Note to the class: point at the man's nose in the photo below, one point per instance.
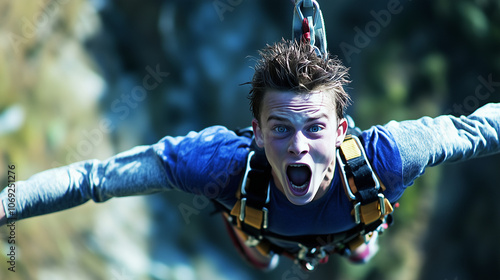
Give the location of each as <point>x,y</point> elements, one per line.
<point>298,144</point>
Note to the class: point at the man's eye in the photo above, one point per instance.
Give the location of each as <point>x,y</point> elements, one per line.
<point>280,129</point>
<point>315,128</point>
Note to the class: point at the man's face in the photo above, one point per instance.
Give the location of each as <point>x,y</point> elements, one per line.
<point>300,133</point>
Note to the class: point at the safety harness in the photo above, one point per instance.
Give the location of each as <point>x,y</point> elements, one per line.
<point>371,210</point>
<point>248,218</point>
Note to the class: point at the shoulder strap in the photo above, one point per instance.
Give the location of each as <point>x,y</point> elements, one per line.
<point>253,196</point>
<point>361,184</point>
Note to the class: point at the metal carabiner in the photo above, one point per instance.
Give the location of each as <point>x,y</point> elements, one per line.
<point>310,9</point>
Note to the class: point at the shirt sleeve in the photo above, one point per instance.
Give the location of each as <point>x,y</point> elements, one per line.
<point>185,163</point>
<point>385,159</point>
<point>400,151</point>
<point>207,163</point>
<point>432,141</point>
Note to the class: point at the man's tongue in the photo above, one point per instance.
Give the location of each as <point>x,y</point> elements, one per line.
<point>299,176</point>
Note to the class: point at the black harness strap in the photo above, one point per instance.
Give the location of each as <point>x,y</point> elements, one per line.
<point>250,210</point>
<point>256,189</point>
<point>361,184</point>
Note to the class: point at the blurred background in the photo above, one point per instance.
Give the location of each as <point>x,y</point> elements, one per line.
<point>82,79</point>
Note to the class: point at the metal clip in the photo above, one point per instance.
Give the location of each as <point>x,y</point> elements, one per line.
<point>252,241</point>
<point>242,208</point>
<point>243,185</point>
<point>344,175</point>
<point>247,170</point>
<point>310,9</point>
<point>381,201</point>
<point>357,212</point>
<point>265,221</point>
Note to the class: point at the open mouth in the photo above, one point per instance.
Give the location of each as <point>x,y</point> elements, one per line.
<point>299,176</point>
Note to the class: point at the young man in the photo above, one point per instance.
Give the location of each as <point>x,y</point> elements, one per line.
<point>298,102</point>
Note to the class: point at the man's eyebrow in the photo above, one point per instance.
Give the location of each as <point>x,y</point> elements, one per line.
<point>281,119</point>
<point>312,119</point>
<point>276,118</point>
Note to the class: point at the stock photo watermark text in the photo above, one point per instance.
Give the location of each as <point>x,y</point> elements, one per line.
<point>11,212</point>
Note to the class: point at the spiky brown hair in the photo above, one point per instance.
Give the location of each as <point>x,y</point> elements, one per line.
<point>294,66</point>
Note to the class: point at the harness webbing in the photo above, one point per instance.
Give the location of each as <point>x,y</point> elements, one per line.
<point>249,215</point>
<point>253,195</point>
<point>361,185</point>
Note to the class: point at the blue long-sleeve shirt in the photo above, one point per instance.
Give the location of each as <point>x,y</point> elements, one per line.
<point>210,163</point>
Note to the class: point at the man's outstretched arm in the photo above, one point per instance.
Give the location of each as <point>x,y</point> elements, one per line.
<point>432,141</point>
<point>203,162</point>
<point>137,171</point>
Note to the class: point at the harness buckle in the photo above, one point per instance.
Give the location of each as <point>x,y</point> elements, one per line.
<point>309,258</point>
<point>381,204</point>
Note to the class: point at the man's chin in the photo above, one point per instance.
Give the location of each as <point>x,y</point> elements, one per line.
<point>299,200</point>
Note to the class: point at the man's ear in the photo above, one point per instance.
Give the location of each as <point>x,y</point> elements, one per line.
<point>259,138</point>
<point>341,132</point>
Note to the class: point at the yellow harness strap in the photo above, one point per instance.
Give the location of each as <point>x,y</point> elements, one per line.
<point>253,217</point>
<point>365,213</point>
